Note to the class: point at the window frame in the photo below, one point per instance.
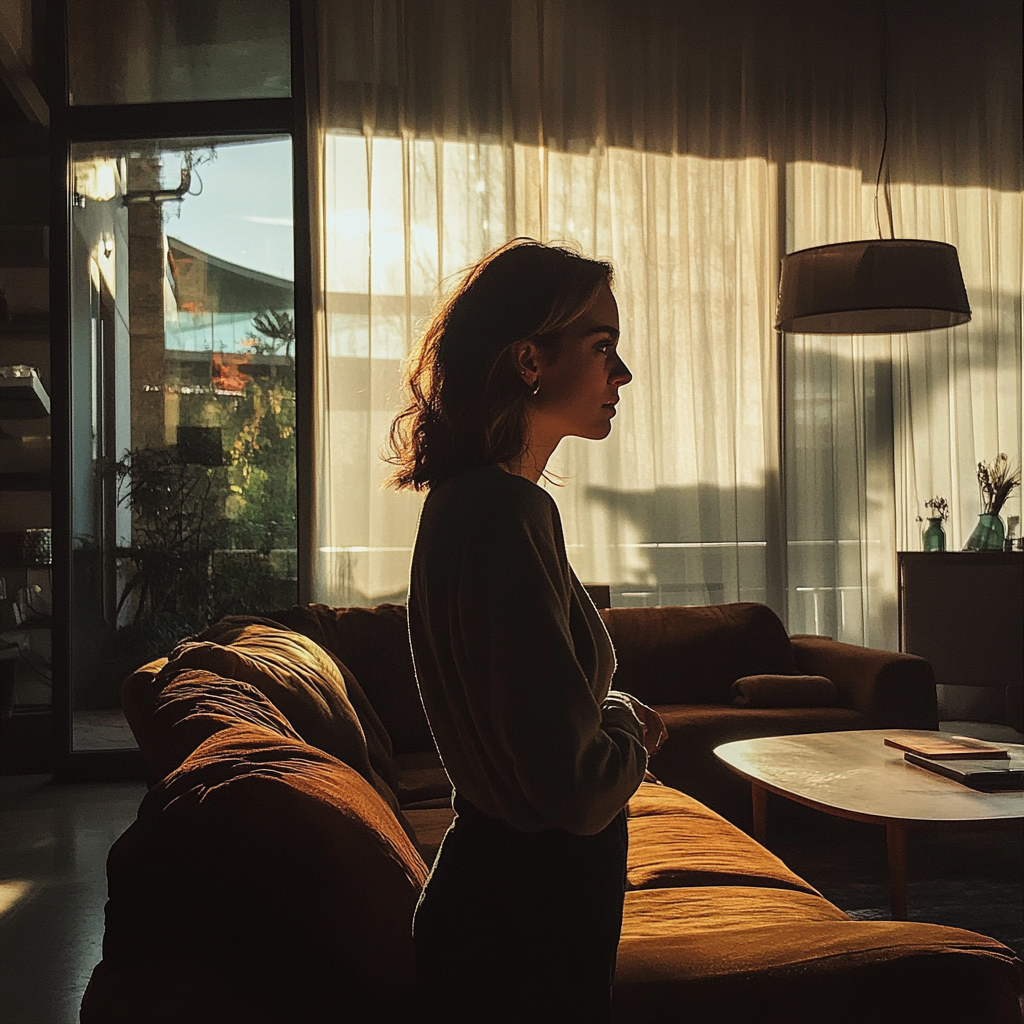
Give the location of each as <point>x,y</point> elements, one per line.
<point>71,124</point>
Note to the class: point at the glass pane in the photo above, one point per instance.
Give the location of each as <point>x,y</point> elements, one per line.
<point>183,402</point>
<point>165,51</point>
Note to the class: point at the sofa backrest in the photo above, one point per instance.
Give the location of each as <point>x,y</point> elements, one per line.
<point>374,644</point>
<point>693,654</point>
<point>670,655</point>
<point>265,866</point>
<point>294,673</point>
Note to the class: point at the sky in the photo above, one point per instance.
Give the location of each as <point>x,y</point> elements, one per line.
<point>244,211</point>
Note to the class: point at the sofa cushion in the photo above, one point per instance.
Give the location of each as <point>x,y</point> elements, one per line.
<point>728,953</point>
<point>687,759</point>
<point>193,704</point>
<point>768,691</point>
<point>378,742</point>
<point>374,644</point>
<point>676,841</point>
<point>265,865</point>
<point>693,655</point>
<point>292,672</point>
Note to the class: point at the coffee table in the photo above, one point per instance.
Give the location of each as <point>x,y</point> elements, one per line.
<point>854,775</point>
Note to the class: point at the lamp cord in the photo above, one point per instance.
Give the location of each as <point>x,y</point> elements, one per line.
<point>885,129</point>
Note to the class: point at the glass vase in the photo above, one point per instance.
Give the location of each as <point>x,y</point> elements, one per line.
<point>988,534</point>
<point>934,536</point>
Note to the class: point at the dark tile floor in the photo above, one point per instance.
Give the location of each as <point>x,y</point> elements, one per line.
<point>53,847</point>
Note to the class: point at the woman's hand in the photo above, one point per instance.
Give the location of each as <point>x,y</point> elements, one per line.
<point>655,732</point>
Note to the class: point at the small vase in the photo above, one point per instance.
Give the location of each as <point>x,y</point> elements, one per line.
<point>934,536</point>
<point>988,534</point>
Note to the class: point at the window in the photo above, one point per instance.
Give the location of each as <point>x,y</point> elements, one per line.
<point>183,398</point>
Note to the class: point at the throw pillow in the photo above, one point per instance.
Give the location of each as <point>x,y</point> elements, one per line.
<point>374,644</point>
<point>774,691</point>
<point>378,742</point>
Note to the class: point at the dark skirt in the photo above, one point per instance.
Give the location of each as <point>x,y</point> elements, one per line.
<point>521,926</point>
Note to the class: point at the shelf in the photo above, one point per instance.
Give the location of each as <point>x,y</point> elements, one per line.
<point>23,398</point>
<point>936,558</point>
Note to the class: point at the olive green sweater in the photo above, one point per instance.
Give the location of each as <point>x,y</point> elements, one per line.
<point>513,662</point>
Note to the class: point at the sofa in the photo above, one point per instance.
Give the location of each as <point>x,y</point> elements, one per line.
<point>297,801</point>
<point>685,660</point>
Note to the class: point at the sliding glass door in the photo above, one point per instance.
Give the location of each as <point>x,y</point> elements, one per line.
<point>183,402</point>
<point>179,419</point>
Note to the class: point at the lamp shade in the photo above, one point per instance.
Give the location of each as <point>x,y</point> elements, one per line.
<point>882,286</point>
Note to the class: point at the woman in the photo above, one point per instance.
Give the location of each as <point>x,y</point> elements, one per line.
<point>520,917</point>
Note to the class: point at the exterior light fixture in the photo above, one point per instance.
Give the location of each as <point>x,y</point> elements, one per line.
<point>98,179</point>
<point>877,286</point>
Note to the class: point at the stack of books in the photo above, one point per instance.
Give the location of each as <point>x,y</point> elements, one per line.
<point>983,766</point>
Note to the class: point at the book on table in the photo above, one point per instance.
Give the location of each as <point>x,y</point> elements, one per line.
<point>952,748</point>
<point>985,775</point>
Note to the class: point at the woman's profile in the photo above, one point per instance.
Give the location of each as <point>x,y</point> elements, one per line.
<point>520,917</point>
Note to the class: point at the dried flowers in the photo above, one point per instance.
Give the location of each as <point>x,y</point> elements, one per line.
<point>938,509</point>
<point>996,480</point>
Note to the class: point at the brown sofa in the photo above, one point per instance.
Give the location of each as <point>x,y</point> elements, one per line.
<point>684,660</point>
<point>273,869</point>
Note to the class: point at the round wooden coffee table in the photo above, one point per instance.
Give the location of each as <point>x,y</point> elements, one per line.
<point>854,775</point>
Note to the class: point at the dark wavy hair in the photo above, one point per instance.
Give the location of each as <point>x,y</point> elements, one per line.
<point>467,403</point>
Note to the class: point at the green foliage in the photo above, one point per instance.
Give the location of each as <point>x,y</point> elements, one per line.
<point>278,328</point>
<point>262,477</point>
<point>208,541</point>
<point>176,525</point>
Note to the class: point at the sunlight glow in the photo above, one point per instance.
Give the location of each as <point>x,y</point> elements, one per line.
<point>12,892</point>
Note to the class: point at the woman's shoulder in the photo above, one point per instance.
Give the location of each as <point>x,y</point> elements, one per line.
<point>488,516</point>
<point>488,494</point>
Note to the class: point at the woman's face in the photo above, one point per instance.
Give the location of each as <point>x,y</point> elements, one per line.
<point>580,379</point>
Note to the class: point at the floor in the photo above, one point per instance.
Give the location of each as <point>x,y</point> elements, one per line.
<point>53,847</point>
<point>54,841</point>
<point>102,730</point>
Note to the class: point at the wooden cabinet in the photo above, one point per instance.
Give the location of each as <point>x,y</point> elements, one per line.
<point>964,612</point>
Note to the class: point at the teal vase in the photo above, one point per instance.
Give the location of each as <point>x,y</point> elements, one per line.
<point>934,536</point>
<point>988,534</point>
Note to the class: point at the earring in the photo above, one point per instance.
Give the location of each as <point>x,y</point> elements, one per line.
<point>534,388</point>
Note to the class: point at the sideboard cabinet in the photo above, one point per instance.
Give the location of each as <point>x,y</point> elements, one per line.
<point>964,612</point>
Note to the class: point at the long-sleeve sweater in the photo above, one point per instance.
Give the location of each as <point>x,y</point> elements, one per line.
<point>513,662</point>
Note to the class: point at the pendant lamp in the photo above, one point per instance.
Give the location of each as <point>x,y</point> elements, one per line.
<point>878,286</point>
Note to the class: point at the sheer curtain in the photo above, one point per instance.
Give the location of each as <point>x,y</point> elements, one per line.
<point>958,398</point>
<point>877,425</point>
<point>841,496</point>
<point>688,146</point>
